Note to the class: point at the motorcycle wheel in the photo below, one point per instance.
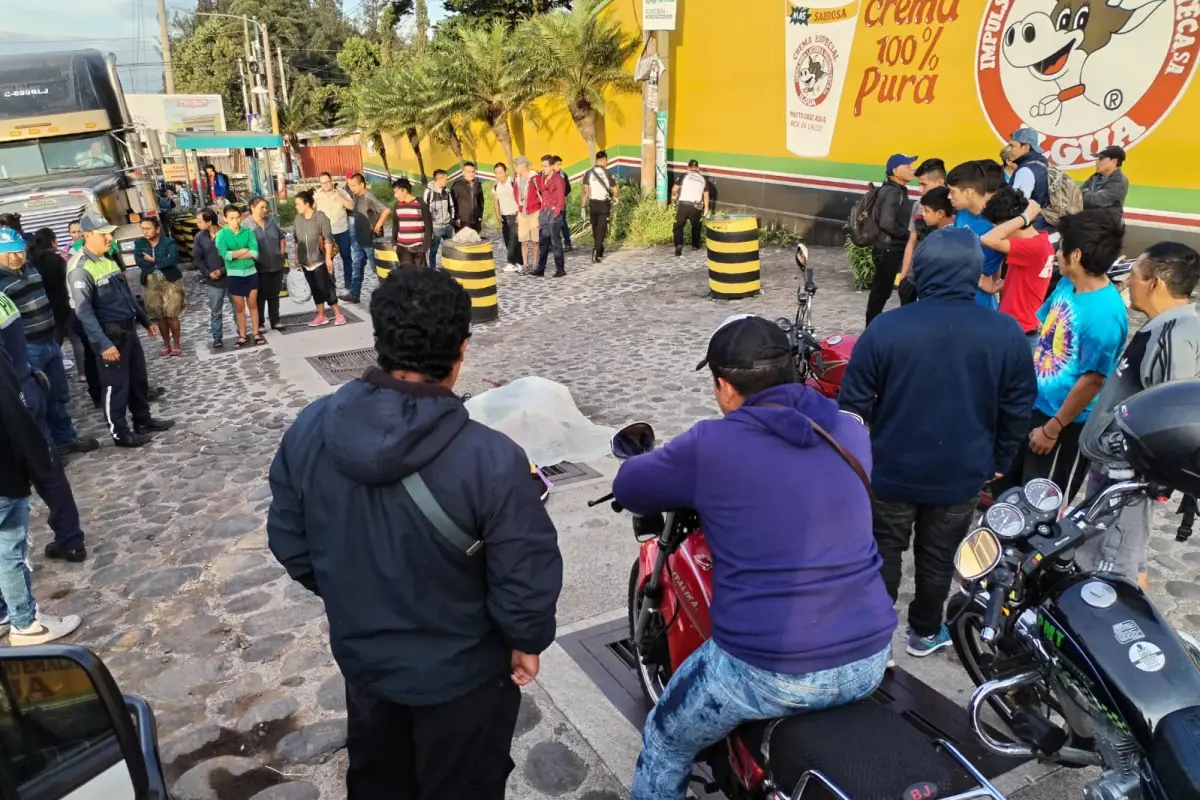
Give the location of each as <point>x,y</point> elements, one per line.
<point>654,677</point>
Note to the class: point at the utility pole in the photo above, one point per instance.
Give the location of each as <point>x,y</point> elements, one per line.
<point>649,107</point>
<point>253,108</point>
<point>279,173</point>
<point>245,93</point>
<point>663,46</point>
<point>282,75</point>
<point>164,34</point>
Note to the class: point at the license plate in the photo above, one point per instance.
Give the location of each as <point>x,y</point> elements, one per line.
<point>48,203</point>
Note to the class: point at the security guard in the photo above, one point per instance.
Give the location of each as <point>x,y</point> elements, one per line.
<point>107,310</point>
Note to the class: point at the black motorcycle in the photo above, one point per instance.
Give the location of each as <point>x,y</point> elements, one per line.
<point>1082,667</point>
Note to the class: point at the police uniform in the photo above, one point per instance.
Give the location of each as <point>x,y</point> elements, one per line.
<point>689,208</point>
<point>109,314</point>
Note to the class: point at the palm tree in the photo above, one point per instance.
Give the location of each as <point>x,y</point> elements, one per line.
<point>482,75</point>
<point>392,100</point>
<point>358,112</point>
<point>580,55</point>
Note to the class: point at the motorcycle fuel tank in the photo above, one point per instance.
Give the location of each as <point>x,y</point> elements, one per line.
<point>1116,646</point>
<point>828,365</point>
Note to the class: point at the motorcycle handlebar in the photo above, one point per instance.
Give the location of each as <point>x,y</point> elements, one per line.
<point>998,590</point>
<point>810,284</point>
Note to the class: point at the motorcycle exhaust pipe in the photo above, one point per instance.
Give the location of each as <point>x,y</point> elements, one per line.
<point>975,707</point>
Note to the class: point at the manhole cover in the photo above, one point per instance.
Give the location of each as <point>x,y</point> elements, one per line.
<point>345,366</point>
<point>565,472</point>
<point>298,322</point>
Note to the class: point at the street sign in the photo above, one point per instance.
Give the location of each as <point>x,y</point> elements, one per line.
<point>659,15</point>
<point>660,157</point>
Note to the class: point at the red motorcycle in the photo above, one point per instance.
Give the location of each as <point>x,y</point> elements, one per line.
<point>821,364</point>
<point>862,751</point>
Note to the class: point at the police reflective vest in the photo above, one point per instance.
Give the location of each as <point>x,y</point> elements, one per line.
<point>102,297</point>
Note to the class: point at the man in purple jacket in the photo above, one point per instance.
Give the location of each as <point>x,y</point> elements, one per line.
<point>801,620</point>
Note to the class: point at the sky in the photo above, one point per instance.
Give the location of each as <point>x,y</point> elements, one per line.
<point>127,28</point>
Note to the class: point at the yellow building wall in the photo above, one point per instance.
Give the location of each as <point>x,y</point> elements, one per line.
<point>754,85</point>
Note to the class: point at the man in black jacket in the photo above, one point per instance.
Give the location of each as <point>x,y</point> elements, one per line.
<point>467,192</point>
<point>438,565</point>
<point>891,214</point>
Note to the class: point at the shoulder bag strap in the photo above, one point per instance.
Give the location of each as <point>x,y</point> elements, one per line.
<point>428,505</point>
<point>848,457</point>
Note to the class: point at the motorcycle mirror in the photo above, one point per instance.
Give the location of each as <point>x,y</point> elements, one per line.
<point>978,554</point>
<point>633,440</point>
<point>784,324</point>
<point>801,256</point>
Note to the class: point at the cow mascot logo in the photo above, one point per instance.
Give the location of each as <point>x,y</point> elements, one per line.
<point>1085,74</point>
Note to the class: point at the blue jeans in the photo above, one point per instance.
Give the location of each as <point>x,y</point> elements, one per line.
<point>364,259</point>
<point>712,693</point>
<point>345,249</point>
<point>217,297</point>
<point>444,232</point>
<point>16,591</point>
<point>47,357</point>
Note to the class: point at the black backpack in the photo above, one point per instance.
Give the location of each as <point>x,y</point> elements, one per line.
<point>863,225</point>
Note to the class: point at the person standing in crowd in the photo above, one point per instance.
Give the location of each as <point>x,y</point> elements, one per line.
<point>53,486</point>
<point>24,286</point>
<point>1107,187</point>
<point>13,222</point>
<point>368,214</point>
<point>412,231</point>
<point>600,193</point>
<point>934,451</point>
<point>891,215</point>
<point>1007,163</point>
<point>969,193</point>
<point>930,173</point>
<point>108,312</point>
<point>690,194</point>
<point>330,201</point>
<point>504,200</point>
<point>238,248</point>
<point>218,186</point>
<point>210,267</point>
<point>468,199</point>
<point>440,202</point>
<point>529,207</point>
<point>25,459</point>
<point>937,212</point>
<point>556,164</point>
<point>85,367</point>
<point>1167,348</point>
<point>462,582</point>
<point>1028,252</point>
<point>1032,176</point>
<point>75,235</point>
<point>270,264</point>
<point>314,254</point>
<point>46,257</point>
<point>157,256</point>
<point>549,189</point>
<point>1084,327</point>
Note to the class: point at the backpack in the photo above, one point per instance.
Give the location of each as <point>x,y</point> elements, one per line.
<point>863,225</point>
<point>1065,196</point>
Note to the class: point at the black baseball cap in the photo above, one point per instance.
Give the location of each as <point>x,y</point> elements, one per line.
<point>1113,151</point>
<point>745,341</point>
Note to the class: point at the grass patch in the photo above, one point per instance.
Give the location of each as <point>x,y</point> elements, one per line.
<point>862,264</point>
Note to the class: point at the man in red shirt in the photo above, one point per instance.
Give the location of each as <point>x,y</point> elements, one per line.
<point>1029,253</point>
<point>554,201</point>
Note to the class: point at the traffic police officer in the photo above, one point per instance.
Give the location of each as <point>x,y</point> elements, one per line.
<point>107,310</point>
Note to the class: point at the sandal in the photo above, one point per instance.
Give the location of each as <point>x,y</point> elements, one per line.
<point>241,342</point>
<point>166,351</point>
<point>177,351</point>
<point>258,339</point>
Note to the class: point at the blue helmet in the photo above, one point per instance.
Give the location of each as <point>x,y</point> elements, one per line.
<point>11,241</point>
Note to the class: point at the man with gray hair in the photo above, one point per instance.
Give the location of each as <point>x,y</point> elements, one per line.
<point>1167,348</point>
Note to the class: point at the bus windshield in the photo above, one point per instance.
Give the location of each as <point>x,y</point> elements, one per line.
<point>51,156</point>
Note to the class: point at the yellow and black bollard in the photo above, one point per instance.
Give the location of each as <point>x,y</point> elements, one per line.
<point>182,228</point>
<point>733,268</point>
<point>385,258</point>
<point>473,266</point>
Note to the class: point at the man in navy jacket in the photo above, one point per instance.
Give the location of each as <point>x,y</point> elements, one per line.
<point>433,634</point>
<point>947,387</point>
<point>800,617</point>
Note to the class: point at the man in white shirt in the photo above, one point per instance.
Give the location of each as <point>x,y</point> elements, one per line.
<point>504,197</point>
<point>329,201</point>
<point>691,194</point>
<point>600,192</point>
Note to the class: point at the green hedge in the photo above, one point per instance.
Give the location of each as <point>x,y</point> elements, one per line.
<point>862,264</point>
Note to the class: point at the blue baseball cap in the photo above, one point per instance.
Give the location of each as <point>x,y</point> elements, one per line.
<point>1028,137</point>
<point>11,241</point>
<point>899,160</point>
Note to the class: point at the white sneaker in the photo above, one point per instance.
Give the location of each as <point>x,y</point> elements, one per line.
<point>45,628</point>
<point>510,267</point>
<point>4,626</point>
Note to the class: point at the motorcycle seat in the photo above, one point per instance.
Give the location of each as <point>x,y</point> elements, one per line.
<point>1175,755</point>
<point>869,751</point>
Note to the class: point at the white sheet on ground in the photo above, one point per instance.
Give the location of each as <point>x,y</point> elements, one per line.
<point>541,416</point>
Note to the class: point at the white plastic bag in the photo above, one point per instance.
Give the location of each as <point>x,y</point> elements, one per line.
<point>297,285</point>
<point>540,415</point>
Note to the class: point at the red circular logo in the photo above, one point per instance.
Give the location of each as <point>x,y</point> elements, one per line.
<point>1084,74</point>
<point>814,70</point>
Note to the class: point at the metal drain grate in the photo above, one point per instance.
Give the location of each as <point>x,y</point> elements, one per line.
<point>345,366</point>
<point>298,322</point>
<point>566,472</point>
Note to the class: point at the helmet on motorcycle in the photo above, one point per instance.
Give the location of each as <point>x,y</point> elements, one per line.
<point>1161,426</point>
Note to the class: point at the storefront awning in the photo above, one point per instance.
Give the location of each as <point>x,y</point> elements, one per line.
<point>231,140</point>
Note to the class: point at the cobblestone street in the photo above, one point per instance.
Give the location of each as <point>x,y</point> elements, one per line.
<point>188,608</point>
